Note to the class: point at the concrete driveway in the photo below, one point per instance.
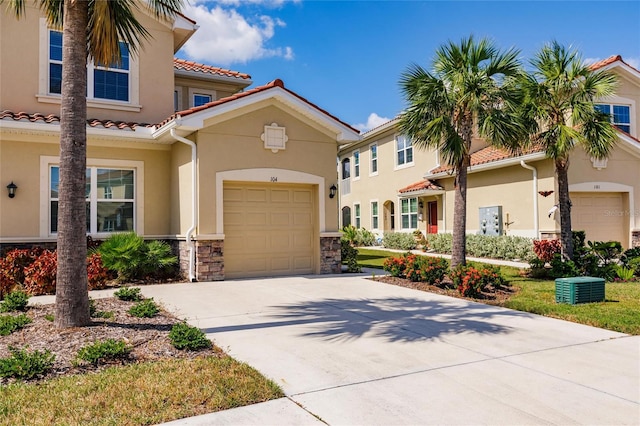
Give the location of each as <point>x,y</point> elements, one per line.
<point>350,351</point>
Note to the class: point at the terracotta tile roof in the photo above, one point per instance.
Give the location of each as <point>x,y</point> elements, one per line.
<point>489,155</point>
<point>244,94</point>
<point>423,185</point>
<point>54,119</point>
<point>610,60</point>
<point>184,65</point>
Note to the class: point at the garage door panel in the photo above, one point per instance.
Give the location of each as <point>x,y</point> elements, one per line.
<point>592,213</point>
<point>269,229</point>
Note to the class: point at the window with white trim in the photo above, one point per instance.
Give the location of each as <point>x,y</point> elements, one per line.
<point>620,115</point>
<point>404,150</point>
<point>103,82</point>
<point>409,213</point>
<point>374,215</point>
<point>110,199</point>
<point>356,164</point>
<point>373,150</point>
<point>200,99</point>
<point>356,215</point>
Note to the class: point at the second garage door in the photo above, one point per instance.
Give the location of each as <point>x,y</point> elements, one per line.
<point>600,215</point>
<point>269,229</point>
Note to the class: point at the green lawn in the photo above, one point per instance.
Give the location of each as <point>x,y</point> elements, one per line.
<point>619,312</point>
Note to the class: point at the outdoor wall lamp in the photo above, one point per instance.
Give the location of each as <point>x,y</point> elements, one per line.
<point>332,190</point>
<point>11,188</point>
<point>420,204</point>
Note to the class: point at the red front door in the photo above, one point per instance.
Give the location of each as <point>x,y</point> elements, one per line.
<point>432,227</point>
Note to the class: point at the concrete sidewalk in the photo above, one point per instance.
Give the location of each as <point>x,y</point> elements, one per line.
<point>347,350</point>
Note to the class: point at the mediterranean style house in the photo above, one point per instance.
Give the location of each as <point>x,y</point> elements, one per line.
<point>240,180</point>
<point>386,184</point>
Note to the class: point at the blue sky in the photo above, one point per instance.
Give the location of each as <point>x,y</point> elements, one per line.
<point>347,56</point>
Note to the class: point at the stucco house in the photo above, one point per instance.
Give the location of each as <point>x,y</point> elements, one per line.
<point>389,185</point>
<point>238,179</point>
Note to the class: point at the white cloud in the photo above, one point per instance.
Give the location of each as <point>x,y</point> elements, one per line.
<point>267,3</point>
<point>374,120</point>
<point>226,37</point>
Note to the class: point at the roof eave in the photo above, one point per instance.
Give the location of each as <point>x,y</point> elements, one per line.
<point>421,193</point>
<point>507,162</point>
<point>238,81</point>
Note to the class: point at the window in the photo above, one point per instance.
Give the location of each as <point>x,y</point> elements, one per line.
<point>356,215</point>
<point>200,99</point>
<point>374,159</point>
<point>110,199</point>
<point>409,213</point>
<point>356,164</point>
<point>103,82</point>
<point>346,216</point>
<point>404,151</point>
<point>346,168</point>
<point>620,115</point>
<point>374,215</point>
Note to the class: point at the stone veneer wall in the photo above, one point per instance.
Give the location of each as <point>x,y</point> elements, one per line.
<point>209,260</point>
<point>330,256</point>
<point>635,239</point>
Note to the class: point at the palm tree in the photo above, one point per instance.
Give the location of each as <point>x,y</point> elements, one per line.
<point>472,88</point>
<point>90,28</point>
<point>560,112</point>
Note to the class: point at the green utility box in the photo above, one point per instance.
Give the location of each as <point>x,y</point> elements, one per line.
<point>575,290</point>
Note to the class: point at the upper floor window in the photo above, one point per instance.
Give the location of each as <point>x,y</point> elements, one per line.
<point>346,168</point>
<point>109,82</point>
<point>404,150</point>
<point>374,158</point>
<point>620,115</point>
<point>356,164</point>
<point>201,99</point>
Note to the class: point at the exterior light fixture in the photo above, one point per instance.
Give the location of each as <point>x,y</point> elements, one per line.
<point>332,190</point>
<point>420,204</point>
<point>11,188</point>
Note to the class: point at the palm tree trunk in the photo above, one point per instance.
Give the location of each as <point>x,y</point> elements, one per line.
<point>72,299</point>
<point>562,168</point>
<point>458,248</point>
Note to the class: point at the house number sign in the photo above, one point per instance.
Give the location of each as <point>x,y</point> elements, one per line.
<point>274,178</point>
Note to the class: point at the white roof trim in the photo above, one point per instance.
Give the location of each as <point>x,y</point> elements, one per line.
<point>140,132</point>
<point>195,121</point>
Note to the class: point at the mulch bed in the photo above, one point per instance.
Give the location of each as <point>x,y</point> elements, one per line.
<point>492,296</point>
<point>149,337</point>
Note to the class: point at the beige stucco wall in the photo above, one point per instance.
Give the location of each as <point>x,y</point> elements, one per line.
<point>20,68</point>
<point>20,163</point>
<point>235,144</point>
<point>628,93</point>
<point>385,184</point>
<point>181,191</point>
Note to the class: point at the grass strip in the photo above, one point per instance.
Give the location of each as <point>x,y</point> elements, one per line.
<point>140,394</point>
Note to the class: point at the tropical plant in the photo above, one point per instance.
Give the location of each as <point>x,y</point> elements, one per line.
<point>17,300</point>
<point>560,114</point>
<point>472,87</point>
<point>399,241</point>
<point>91,29</point>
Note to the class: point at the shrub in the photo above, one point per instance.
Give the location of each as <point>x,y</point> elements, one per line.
<point>40,276</point>
<point>562,269</point>
<point>17,300</point>
<point>629,255</point>
<point>97,274</point>
<point>183,336</point>
<point>471,281</point>
<point>358,237</point>
<point>144,309</point>
<point>495,247</point>
<point>25,365</point>
<point>624,273</point>
<point>12,267</point>
<point>440,243</point>
<point>132,258</point>
<point>398,241</point>
<point>395,266</point>
<point>417,267</point>
<point>545,250</point>
<point>104,351</point>
<point>349,255</point>
<point>129,294</point>
<point>9,323</point>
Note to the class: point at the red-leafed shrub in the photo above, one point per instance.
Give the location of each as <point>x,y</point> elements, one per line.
<point>546,249</point>
<point>97,274</point>
<point>417,268</point>
<point>471,281</point>
<point>12,267</point>
<point>40,276</point>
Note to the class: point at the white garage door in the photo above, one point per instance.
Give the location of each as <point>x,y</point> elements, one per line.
<point>600,215</point>
<point>269,229</point>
